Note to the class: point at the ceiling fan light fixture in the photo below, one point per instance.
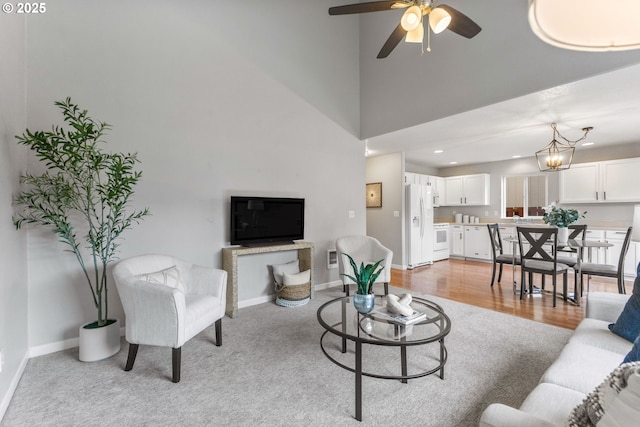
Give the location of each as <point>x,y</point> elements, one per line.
<point>439,20</point>
<point>415,36</point>
<point>411,18</point>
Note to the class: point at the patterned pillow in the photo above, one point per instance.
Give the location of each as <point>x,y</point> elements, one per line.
<point>615,402</point>
<point>628,323</point>
<point>167,277</point>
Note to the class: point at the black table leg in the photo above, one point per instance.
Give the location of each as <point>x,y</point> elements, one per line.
<point>403,356</point>
<point>442,358</point>
<point>344,325</point>
<point>358,381</point>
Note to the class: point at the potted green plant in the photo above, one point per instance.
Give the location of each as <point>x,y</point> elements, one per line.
<point>364,278</point>
<point>85,190</point>
<point>561,218</point>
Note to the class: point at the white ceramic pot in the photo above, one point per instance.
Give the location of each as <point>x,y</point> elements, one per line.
<point>99,343</point>
<point>563,234</point>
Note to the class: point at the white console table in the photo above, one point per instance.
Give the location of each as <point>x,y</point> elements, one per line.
<point>230,264</point>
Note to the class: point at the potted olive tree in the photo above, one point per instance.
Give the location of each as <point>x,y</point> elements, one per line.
<point>83,190</point>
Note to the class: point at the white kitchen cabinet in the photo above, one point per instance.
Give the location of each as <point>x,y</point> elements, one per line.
<point>505,233</point>
<point>439,190</point>
<point>411,178</point>
<point>436,183</point>
<point>612,254</point>
<point>477,242</point>
<point>596,255</point>
<point>467,190</point>
<point>601,182</point>
<point>457,240</point>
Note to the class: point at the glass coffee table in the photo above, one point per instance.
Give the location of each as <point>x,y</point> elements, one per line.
<point>338,317</point>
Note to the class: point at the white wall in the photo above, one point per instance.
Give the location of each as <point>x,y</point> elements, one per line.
<point>382,222</point>
<point>13,253</point>
<point>208,118</point>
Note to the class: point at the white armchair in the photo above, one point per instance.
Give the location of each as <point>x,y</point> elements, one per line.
<point>363,249</point>
<point>167,302</point>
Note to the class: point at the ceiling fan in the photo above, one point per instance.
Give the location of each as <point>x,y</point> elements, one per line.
<point>411,27</point>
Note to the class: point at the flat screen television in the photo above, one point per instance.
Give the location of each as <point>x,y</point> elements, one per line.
<point>256,220</point>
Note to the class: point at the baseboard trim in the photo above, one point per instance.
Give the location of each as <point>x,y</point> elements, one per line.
<point>4,404</point>
<point>272,297</point>
<point>53,347</point>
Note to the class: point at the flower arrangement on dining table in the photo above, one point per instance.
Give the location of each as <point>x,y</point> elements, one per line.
<point>560,217</point>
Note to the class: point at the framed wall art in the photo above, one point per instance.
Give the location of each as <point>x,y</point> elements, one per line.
<point>374,195</point>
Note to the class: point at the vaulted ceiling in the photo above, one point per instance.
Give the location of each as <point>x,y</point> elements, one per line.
<point>491,97</point>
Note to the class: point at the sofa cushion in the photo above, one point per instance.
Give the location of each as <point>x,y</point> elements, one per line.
<point>581,367</point>
<point>596,333</point>
<point>634,354</point>
<point>551,402</point>
<point>615,402</point>
<point>628,323</point>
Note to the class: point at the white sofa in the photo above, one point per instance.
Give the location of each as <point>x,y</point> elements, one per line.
<point>591,354</point>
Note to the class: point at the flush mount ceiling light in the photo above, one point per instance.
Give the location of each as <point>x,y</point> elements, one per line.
<point>587,25</point>
<point>411,24</point>
<point>558,155</point>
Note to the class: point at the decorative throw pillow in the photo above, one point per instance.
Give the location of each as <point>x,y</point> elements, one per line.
<point>301,278</point>
<point>615,402</point>
<point>167,277</point>
<point>634,354</point>
<point>628,323</point>
<point>289,268</point>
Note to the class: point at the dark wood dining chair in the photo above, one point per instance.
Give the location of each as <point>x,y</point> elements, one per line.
<point>534,258</point>
<point>497,255</point>
<point>576,232</point>
<point>606,270</point>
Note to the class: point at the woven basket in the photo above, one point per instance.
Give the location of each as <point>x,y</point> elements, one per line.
<point>295,292</point>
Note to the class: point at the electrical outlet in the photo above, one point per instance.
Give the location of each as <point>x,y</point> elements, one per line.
<point>396,214</point>
<point>352,214</point>
<point>486,213</point>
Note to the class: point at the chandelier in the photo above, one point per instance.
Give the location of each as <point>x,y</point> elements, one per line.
<point>558,155</point>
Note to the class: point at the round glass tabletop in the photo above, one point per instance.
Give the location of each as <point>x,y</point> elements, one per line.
<point>339,317</point>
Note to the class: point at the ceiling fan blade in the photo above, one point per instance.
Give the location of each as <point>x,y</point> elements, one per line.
<point>392,41</point>
<point>374,6</point>
<point>460,23</point>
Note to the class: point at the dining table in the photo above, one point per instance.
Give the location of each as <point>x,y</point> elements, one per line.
<point>578,245</point>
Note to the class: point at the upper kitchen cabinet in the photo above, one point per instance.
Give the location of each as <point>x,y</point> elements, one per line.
<point>601,182</point>
<point>466,190</point>
<point>436,183</point>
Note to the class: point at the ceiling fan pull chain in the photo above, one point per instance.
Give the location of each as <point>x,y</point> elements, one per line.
<point>428,36</point>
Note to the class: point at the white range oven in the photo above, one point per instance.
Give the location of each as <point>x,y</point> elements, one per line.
<point>440,241</point>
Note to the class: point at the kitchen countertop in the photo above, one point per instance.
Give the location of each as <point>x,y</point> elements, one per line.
<point>591,225</point>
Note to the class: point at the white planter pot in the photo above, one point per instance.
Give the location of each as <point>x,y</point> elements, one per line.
<point>99,343</point>
<point>563,234</point>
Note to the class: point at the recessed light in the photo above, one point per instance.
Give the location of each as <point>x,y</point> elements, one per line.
<point>517,156</point>
<point>453,163</point>
<point>587,143</point>
<point>438,151</point>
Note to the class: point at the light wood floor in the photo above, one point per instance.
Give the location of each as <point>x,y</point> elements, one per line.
<point>469,282</point>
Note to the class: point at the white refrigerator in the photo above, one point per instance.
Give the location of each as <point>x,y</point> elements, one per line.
<point>419,228</point>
